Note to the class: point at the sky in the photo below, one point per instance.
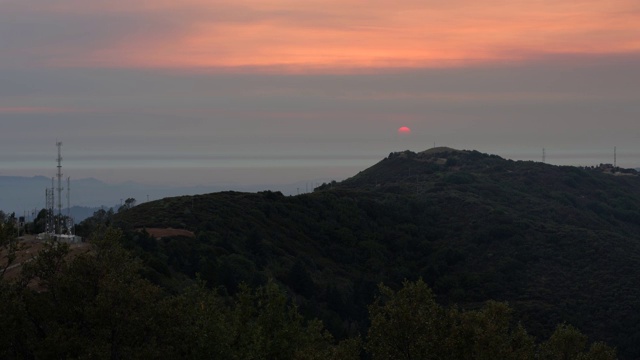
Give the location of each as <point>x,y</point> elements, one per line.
<point>274,91</point>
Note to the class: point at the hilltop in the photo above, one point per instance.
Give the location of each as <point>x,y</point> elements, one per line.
<point>559,243</point>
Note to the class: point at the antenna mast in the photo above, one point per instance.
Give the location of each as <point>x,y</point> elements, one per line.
<point>615,157</point>
<point>59,222</point>
<point>544,155</point>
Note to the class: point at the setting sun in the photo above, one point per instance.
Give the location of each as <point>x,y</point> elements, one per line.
<point>404,130</point>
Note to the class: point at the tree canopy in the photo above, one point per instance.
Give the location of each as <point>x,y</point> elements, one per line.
<point>96,304</point>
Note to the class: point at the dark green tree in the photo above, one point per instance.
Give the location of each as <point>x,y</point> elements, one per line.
<point>568,343</point>
<point>407,324</point>
<point>93,305</point>
<point>10,245</point>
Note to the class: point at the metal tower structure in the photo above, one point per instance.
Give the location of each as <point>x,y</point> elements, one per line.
<point>59,222</point>
<point>615,157</point>
<point>544,155</point>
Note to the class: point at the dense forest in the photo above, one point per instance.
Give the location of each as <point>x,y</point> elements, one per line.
<point>454,236</point>
<point>97,305</point>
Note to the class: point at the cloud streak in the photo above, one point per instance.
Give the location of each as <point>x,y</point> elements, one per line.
<point>311,35</point>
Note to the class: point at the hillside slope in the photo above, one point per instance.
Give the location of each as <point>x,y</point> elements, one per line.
<point>560,244</point>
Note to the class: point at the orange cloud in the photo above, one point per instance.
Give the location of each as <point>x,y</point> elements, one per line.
<point>352,34</point>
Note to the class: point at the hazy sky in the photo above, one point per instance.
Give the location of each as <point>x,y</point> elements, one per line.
<point>248,91</point>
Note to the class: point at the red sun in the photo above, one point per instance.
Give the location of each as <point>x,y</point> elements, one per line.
<point>404,130</point>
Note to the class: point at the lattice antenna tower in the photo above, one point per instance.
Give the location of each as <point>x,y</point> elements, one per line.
<point>615,157</point>
<point>544,155</point>
<point>59,145</point>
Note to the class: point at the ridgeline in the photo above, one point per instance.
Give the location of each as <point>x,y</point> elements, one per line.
<point>560,244</point>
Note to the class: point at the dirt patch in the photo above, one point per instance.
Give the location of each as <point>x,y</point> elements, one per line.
<point>30,246</point>
<point>159,233</point>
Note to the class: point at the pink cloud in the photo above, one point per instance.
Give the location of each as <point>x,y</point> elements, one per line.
<point>318,35</point>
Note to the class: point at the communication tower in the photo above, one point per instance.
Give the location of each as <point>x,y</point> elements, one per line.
<point>58,226</point>
<point>544,155</point>
<point>59,222</point>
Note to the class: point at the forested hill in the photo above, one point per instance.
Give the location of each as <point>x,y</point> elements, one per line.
<point>559,243</point>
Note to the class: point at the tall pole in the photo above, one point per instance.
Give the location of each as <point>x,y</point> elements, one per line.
<point>544,155</point>
<point>615,157</point>
<point>59,145</point>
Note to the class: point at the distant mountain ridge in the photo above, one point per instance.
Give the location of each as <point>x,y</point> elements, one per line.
<point>559,243</point>
<point>24,194</point>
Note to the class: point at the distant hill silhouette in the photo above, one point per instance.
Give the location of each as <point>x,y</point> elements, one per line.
<point>559,243</point>
<point>19,194</point>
